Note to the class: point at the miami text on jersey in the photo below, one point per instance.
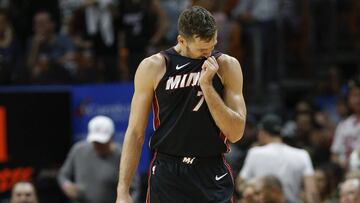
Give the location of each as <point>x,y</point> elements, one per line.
<point>183,80</point>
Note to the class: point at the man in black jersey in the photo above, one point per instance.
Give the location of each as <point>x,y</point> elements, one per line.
<point>198,104</point>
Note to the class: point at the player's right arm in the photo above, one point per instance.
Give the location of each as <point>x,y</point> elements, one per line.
<point>146,79</point>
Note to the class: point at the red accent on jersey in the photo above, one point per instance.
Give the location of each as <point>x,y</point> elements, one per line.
<point>149,176</point>
<point>228,167</point>
<point>230,171</point>
<point>156,120</point>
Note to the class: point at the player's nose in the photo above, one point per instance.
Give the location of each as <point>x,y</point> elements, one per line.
<point>206,54</point>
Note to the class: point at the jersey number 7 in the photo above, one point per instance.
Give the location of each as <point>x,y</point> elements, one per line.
<point>201,101</point>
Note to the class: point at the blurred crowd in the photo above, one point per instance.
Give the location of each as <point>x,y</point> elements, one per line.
<point>315,146</point>
<point>97,41</point>
<point>92,41</point>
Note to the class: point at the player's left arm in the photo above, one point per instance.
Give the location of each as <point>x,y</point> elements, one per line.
<point>228,112</point>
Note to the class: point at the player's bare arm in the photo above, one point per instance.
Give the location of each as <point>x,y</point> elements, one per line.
<point>146,78</point>
<point>229,113</point>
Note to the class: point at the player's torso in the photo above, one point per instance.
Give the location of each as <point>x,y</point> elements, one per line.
<point>182,121</point>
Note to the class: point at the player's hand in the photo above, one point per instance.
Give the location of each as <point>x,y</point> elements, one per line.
<point>124,198</point>
<point>209,69</point>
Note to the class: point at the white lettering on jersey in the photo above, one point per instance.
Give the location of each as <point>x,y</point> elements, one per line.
<point>181,81</point>
<point>173,83</point>
<point>194,77</point>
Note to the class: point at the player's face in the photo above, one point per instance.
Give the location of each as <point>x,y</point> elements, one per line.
<point>198,48</point>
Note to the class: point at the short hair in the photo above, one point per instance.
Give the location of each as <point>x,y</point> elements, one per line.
<point>197,22</point>
<point>272,124</point>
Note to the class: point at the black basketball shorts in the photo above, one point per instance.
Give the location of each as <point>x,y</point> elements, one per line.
<point>189,180</point>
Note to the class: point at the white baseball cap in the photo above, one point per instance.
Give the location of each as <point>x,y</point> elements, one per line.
<point>101,129</point>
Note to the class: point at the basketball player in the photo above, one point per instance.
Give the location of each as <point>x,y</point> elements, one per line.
<point>198,104</point>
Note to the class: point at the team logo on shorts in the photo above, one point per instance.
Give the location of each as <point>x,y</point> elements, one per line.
<point>188,160</point>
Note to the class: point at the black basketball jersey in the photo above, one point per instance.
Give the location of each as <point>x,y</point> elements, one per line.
<point>182,121</point>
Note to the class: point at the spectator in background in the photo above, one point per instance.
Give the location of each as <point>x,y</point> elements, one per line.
<point>49,55</point>
<point>324,184</point>
<point>247,192</point>
<point>350,191</point>
<point>143,25</point>
<point>342,109</point>
<point>90,170</point>
<point>269,190</point>
<point>290,165</point>
<point>328,92</point>
<point>305,125</point>
<point>22,13</point>
<point>92,25</point>
<point>347,134</point>
<point>100,17</point>
<point>11,65</point>
<point>261,22</point>
<point>85,58</point>
<point>23,192</point>
<point>289,131</point>
<point>172,10</point>
<point>354,163</point>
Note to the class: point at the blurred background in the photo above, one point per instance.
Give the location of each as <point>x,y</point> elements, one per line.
<point>63,62</point>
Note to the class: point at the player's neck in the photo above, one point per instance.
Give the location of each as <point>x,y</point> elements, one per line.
<point>181,51</point>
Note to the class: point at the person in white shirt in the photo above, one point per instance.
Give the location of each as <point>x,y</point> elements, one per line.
<point>290,165</point>
<point>347,134</point>
<point>354,163</point>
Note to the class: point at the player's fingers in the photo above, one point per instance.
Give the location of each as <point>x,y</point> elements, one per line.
<point>212,60</point>
<point>205,65</point>
<point>212,65</point>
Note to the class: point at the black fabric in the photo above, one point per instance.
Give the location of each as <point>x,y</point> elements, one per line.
<point>183,123</point>
<point>206,180</point>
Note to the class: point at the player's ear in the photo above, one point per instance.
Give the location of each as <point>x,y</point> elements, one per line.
<point>181,40</point>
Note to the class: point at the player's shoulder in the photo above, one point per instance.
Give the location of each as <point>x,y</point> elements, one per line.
<point>153,61</point>
<point>152,64</point>
<point>151,68</point>
<point>225,59</point>
<point>229,66</point>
